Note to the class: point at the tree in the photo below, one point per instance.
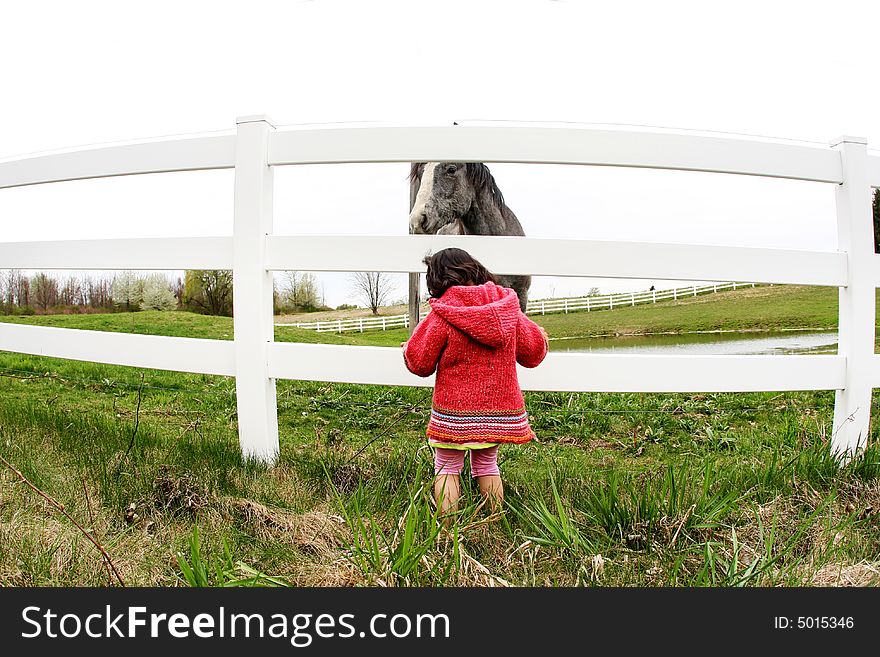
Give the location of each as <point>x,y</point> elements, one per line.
<point>128,290</point>
<point>372,288</point>
<point>877,220</point>
<point>100,292</point>
<point>290,284</point>
<point>68,291</point>
<point>82,298</point>
<point>45,291</point>
<point>178,290</point>
<point>158,294</point>
<point>17,288</point>
<point>299,289</point>
<point>308,292</point>
<point>208,291</point>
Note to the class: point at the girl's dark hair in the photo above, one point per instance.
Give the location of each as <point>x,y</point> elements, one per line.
<point>454,267</point>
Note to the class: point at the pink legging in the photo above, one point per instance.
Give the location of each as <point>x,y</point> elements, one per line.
<point>484,462</point>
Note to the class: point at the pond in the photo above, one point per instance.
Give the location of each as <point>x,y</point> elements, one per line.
<point>728,343</point>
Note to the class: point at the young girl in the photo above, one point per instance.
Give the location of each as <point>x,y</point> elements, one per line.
<point>473,337</point>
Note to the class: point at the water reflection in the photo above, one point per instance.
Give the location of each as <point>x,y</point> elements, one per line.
<point>733,344</point>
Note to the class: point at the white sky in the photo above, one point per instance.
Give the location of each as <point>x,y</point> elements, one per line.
<point>91,72</point>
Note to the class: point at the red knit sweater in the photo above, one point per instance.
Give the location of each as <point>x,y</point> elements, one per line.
<point>474,337</point>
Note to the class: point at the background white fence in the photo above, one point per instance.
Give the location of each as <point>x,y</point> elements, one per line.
<point>612,301</point>
<point>537,307</point>
<point>253,252</point>
<point>359,324</point>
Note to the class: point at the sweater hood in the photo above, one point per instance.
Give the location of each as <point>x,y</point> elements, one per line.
<point>488,313</point>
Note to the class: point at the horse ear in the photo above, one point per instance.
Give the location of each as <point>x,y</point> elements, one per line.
<point>415,171</point>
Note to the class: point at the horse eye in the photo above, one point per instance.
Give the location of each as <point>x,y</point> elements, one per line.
<point>450,169</point>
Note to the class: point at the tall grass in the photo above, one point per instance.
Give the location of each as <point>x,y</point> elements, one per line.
<point>619,490</point>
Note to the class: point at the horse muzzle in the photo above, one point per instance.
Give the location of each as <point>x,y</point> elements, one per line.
<point>418,224</point>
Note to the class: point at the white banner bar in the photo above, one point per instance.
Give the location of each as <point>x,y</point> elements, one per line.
<point>157,352</point>
<point>573,372</point>
<point>558,257</point>
<point>553,145</point>
<point>142,253</point>
<point>185,154</point>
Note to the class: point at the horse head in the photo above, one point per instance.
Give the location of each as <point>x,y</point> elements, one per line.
<point>458,198</point>
<point>446,194</point>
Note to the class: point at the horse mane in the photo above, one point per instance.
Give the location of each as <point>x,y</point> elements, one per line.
<point>477,174</point>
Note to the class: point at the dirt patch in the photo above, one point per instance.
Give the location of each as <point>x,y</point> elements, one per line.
<point>347,476</point>
<point>178,492</point>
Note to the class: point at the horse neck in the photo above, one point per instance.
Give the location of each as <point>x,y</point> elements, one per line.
<point>485,218</point>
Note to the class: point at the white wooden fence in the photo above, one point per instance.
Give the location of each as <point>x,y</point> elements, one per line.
<point>612,301</point>
<point>359,324</point>
<point>253,253</point>
<point>537,307</point>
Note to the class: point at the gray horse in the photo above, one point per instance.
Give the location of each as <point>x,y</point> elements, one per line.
<point>457,198</point>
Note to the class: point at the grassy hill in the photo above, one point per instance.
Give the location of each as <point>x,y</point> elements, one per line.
<point>759,308</point>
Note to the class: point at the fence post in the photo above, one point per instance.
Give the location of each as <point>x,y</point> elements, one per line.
<point>542,307</point>
<point>695,290</point>
<point>675,294</point>
<point>855,237</point>
<point>633,294</point>
<point>654,295</point>
<point>252,291</point>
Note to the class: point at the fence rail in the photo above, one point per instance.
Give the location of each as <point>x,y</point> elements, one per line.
<point>560,257</point>
<point>253,252</point>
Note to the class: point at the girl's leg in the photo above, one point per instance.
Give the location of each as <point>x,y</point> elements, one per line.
<point>447,468</point>
<point>446,492</point>
<point>493,490</point>
<point>484,466</point>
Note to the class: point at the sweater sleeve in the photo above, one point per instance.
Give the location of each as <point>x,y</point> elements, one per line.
<point>531,345</point>
<point>425,345</point>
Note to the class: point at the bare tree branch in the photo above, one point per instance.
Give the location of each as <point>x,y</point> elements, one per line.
<point>372,288</point>
<point>108,562</point>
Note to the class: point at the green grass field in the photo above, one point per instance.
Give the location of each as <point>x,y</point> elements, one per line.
<point>630,489</point>
<point>749,309</point>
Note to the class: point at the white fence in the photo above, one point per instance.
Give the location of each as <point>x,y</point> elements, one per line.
<point>612,301</point>
<point>253,253</point>
<point>537,307</point>
<point>360,324</point>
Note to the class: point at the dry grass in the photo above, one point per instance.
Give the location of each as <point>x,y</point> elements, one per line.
<point>857,574</point>
<point>316,532</point>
